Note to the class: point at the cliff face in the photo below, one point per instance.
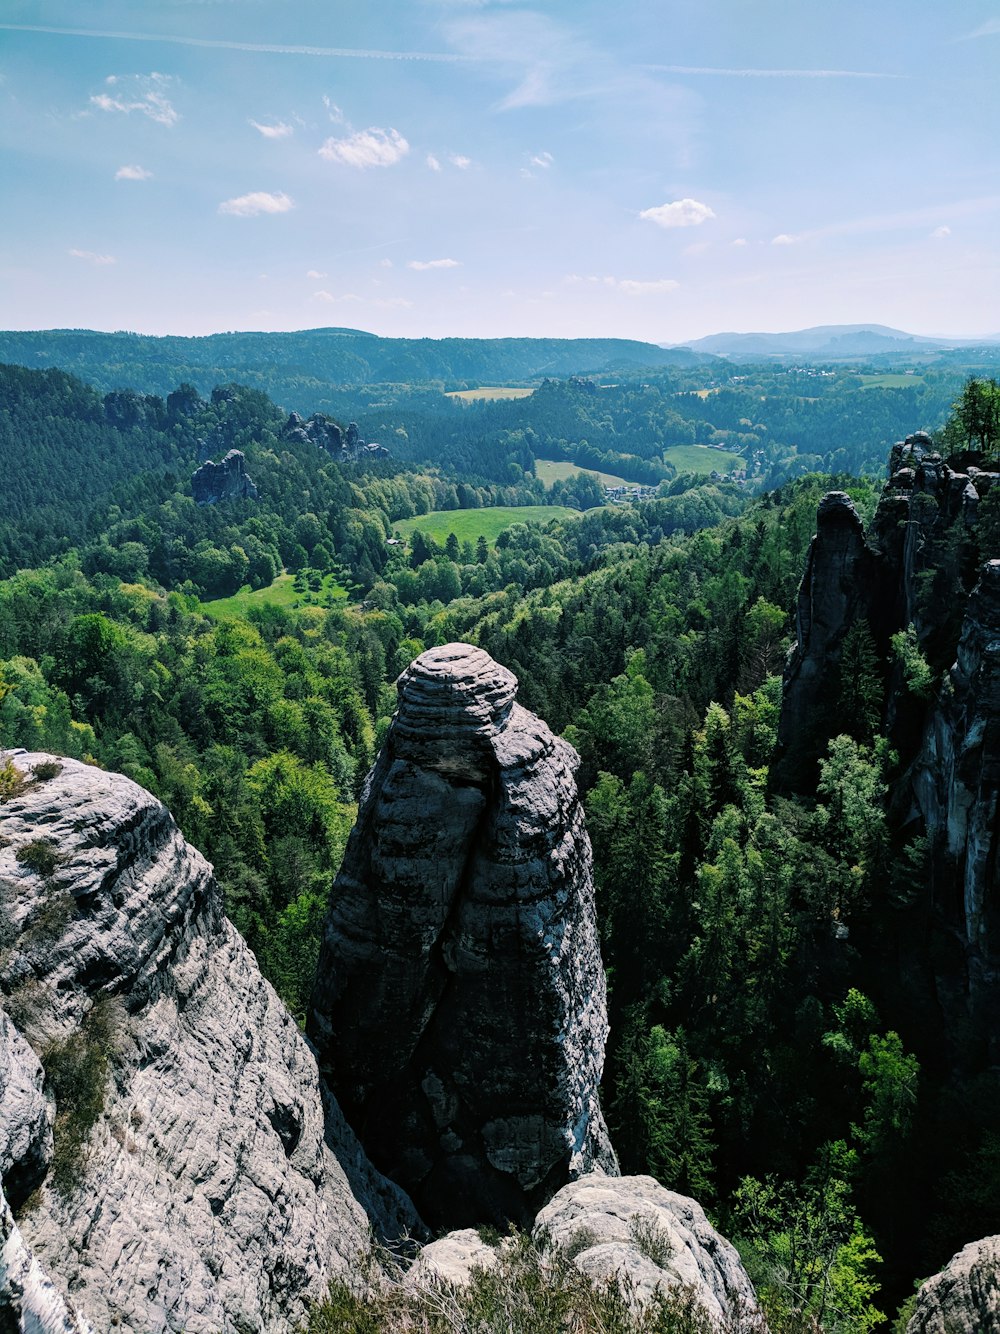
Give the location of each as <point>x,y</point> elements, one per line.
<point>459,1011</point>
<point>227,480</point>
<point>214,1190</point>
<point>964,1296</point>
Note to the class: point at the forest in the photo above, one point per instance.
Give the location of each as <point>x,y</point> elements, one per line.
<point>770,1052</point>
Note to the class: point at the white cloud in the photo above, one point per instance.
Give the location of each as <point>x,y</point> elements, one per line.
<point>542,160</point>
<point>99,261</point>
<point>460,161</point>
<point>315,273</point>
<point>385,263</point>
<point>939,233</point>
<point>367,148</point>
<point>330,298</point>
<point>433,162</point>
<point>144,93</point>
<point>679,213</point>
<point>259,201</point>
<point>740,240</point>
<point>279,131</point>
<point>422,264</point>
<point>632,288</point>
<point>783,238</point>
<point>333,111</point>
<point>133,173</point>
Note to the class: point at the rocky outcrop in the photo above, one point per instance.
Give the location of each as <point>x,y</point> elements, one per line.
<point>648,1237</point>
<point>325,434</point>
<point>965,1296</point>
<point>214,482</point>
<point>459,1011</point>
<point>214,1191</point>
<point>955,782</point>
<point>837,589</point>
<point>628,1229</point>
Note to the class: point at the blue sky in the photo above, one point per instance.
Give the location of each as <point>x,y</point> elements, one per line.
<point>657,169</point>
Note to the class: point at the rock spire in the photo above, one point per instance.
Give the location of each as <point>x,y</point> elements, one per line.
<point>459,1012</point>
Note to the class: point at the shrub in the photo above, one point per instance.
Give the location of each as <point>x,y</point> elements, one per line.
<point>39,856</point>
<point>12,780</point>
<point>76,1070</point>
<point>46,770</point>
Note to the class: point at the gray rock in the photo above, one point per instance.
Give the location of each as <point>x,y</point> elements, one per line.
<point>228,480</point>
<point>26,1120</point>
<point>649,1238</point>
<point>215,1190</point>
<point>459,1011</point>
<point>30,1303</point>
<point>965,1297</point>
<point>451,1260</point>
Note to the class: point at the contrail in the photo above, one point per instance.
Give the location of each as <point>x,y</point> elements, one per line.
<point>272,48</point>
<point>775,73</point>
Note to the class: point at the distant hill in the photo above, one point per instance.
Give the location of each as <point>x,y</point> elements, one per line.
<point>828,342</point>
<point>298,370</point>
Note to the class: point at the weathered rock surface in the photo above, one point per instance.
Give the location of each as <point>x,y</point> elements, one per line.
<point>326,434</point>
<point>965,1297</point>
<point>459,1012</point>
<point>30,1303</point>
<point>215,1191</point>
<point>836,590</point>
<point>227,480</point>
<point>650,1238</point>
<point>26,1120</point>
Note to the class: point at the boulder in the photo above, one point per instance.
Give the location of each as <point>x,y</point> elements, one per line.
<point>965,1296</point>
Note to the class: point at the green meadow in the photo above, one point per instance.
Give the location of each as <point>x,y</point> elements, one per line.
<point>557,470</point>
<point>701,459</point>
<point>468,525</point>
<point>282,593</point>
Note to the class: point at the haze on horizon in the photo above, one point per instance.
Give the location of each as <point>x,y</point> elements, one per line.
<point>485,168</point>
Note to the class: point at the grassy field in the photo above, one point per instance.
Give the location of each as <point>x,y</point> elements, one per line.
<point>489,392</point>
<point>282,593</point>
<point>467,525</point>
<point>890,380</point>
<point>557,470</point>
<point>701,459</point>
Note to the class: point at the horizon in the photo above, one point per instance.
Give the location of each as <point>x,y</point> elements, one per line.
<point>474,168</point>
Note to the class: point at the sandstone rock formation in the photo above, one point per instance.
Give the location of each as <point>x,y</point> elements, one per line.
<point>326,434</point>
<point>215,1191</point>
<point>459,1012</point>
<point>965,1296</point>
<point>228,480</point>
<point>630,1229</point>
<point>638,1231</point>
<point>836,590</point>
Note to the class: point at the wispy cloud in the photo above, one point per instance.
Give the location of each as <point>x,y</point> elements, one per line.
<point>630,286</point>
<point>133,172</point>
<point>679,213</point>
<point>315,273</point>
<point>940,233</point>
<point>991,28</point>
<point>750,73</point>
<point>543,160</point>
<point>259,201</point>
<point>273,48</point>
<point>91,257</point>
<point>784,238</point>
<point>352,298</point>
<point>279,131</point>
<point>421,264</point>
<point>367,148</point>
<point>433,162</point>
<point>460,161</point>
<point>144,93</point>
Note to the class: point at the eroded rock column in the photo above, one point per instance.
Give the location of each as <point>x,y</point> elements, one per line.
<point>459,1010</point>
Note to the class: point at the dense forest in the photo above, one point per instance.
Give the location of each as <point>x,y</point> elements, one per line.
<point>769,1053</point>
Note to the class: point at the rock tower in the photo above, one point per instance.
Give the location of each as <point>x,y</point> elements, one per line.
<point>459,1011</point>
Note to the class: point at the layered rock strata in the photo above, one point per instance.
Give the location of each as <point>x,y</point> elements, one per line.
<point>214,1192</point>
<point>228,480</point>
<point>459,1010</point>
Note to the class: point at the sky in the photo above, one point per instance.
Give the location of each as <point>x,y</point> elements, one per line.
<point>652,169</point>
